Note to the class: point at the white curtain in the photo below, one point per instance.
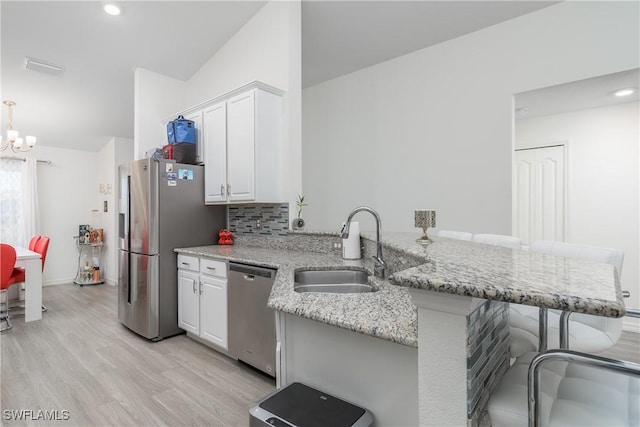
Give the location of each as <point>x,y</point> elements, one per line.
<point>18,201</point>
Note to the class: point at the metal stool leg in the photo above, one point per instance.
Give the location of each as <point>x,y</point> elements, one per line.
<point>542,330</point>
<point>4,313</point>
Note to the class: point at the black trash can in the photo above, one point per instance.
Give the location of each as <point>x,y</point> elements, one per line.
<point>298,405</point>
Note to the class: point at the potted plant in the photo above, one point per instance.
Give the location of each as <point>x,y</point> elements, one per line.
<point>298,223</point>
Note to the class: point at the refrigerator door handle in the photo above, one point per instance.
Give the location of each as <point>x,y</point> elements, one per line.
<point>124,217</point>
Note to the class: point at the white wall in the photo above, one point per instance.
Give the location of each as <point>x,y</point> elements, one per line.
<point>156,96</point>
<point>267,49</point>
<point>259,51</point>
<point>116,152</point>
<point>603,178</point>
<point>433,129</point>
<point>65,196</point>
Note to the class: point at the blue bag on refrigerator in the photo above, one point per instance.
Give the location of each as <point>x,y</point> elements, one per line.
<point>181,130</point>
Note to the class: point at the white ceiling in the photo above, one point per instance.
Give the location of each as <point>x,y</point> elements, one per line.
<point>93,100</point>
<point>579,95</point>
<point>340,37</point>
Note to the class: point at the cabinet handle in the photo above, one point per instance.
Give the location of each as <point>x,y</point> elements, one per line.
<point>221,190</point>
<point>200,288</point>
<point>228,189</point>
<point>194,286</point>
<point>210,268</point>
<point>187,264</point>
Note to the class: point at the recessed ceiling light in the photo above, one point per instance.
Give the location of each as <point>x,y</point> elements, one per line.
<point>624,92</point>
<point>112,9</point>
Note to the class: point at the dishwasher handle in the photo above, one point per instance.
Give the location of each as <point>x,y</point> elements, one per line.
<point>250,272</point>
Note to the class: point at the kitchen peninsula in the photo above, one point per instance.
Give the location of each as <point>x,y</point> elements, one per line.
<point>460,326</point>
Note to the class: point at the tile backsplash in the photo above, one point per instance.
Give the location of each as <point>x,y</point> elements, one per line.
<point>273,218</point>
<point>487,355</point>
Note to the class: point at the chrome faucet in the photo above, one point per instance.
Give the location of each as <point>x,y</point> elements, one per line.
<point>379,266</point>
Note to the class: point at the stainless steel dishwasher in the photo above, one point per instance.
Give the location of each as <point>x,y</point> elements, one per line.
<point>252,325</point>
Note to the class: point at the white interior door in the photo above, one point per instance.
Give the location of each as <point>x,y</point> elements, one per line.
<point>540,191</point>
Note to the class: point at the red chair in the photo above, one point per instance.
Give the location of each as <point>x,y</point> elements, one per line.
<point>33,241</point>
<point>42,246</point>
<point>9,275</point>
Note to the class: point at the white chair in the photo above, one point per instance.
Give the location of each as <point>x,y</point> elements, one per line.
<point>498,240</point>
<point>567,388</point>
<point>458,235</point>
<point>588,334</point>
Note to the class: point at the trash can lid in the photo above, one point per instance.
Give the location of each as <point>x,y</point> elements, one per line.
<point>304,406</point>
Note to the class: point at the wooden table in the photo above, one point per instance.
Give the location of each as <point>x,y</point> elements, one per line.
<point>32,263</point>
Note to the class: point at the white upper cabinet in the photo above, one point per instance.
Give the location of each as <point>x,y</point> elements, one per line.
<point>243,152</point>
<point>240,143</point>
<point>241,147</point>
<point>215,169</point>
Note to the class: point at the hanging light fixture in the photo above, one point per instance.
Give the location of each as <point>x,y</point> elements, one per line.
<point>13,138</point>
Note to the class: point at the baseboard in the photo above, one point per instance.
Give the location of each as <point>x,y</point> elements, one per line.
<point>58,282</point>
<point>631,324</point>
<point>70,281</point>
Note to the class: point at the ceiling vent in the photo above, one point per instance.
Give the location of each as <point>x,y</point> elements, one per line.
<point>43,67</point>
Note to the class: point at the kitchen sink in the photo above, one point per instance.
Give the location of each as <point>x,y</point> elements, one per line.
<point>332,281</point>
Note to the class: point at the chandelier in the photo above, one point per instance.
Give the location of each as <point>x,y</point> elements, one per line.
<point>13,138</point>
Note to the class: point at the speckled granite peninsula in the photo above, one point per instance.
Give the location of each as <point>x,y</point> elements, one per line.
<point>516,276</point>
<point>448,266</point>
<point>387,313</point>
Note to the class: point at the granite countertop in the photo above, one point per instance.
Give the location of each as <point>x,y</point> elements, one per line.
<point>516,276</point>
<point>450,266</point>
<point>387,313</point>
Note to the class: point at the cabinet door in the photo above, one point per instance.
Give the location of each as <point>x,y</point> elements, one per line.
<point>213,310</point>
<point>188,299</point>
<point>197,121</point>
<point>241,146</point>
<point>214,139</point>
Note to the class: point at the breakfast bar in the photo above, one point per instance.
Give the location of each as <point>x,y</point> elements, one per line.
<point>448,298</point>
<point>460,284</point>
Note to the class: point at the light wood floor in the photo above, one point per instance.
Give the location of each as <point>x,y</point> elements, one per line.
<point>79,358</point>
<point>627,348</point>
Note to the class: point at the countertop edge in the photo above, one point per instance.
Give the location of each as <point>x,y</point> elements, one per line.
<point>405,334</point>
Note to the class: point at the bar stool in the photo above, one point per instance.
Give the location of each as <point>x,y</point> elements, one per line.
<point>498,240</point>
<point>588,333</point>
<point>458,235</point>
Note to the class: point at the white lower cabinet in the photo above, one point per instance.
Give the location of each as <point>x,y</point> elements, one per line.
<point>188,301</point>
<point>202,298</point>
<point>213,310</point>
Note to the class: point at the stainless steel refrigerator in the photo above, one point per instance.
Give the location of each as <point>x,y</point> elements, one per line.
<point>161,207</point>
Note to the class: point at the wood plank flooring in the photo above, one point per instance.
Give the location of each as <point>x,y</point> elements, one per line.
<point>627,348</point>
<point>80,359</point>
